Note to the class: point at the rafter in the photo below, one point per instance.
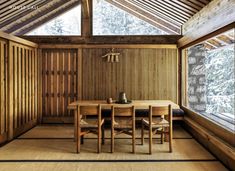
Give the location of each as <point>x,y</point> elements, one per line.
<point>45,18</point>
<point>190,4</point>
<point>176,5</point>
<point>35,15</point>
<point>15,15</point>
<point>159,12</point>
<point>168,10</point>
<point>157,22</point>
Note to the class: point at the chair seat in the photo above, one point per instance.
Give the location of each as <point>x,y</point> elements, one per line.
<point>123,123</point>
<point>158,122</point>
<point>90,123</point>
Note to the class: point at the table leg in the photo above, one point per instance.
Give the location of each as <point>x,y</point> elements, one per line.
<point>75,125</point>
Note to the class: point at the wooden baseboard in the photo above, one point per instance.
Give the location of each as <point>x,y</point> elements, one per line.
<point>26,127</point>
<point>58,120</point>
<point>222,150</point>
<point>3,138</point>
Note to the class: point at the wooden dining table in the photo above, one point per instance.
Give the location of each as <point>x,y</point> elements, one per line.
<point>139,104</point>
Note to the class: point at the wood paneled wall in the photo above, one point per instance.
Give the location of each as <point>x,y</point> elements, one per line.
<point>3,104</point>
<point>71,74</point>
<point>23,87</point>
<point>141,73</point>
<point>19,86</point>
<point>59,82</point>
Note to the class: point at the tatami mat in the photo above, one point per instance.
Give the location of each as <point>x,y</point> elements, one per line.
<point>53,148</point>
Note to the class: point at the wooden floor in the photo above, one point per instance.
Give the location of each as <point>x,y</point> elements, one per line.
<point>51,147</point>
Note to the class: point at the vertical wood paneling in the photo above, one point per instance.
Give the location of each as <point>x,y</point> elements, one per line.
<point>22,81</point>
<point>16,86</point>
<point>141,73</point>
<point>3,109</point>
<point>59,82</point>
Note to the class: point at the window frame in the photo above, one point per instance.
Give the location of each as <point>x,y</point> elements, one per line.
<point>223,132</point>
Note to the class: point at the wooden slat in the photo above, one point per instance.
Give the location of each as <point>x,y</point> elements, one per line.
<point>164,14</point>
<point>10,92</point>
<point>3,117</point>
<point>26,85</point>
<point>15,81</point>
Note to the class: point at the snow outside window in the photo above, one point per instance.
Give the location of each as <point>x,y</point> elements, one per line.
<point>210,86</point>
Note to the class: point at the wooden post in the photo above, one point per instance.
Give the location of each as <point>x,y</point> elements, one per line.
<point>86,18</point>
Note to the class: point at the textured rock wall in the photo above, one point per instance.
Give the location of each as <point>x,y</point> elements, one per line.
<point>196,78</point>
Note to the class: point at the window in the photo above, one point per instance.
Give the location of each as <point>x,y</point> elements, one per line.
<point>210,87</point>
<point>68,23</point>
<point>111,20</point>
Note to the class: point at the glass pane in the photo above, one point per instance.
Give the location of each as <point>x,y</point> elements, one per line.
<point>68,23</point>
<point>110,20</point>
<point>211,87</point>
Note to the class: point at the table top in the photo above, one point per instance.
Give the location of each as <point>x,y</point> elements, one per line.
<point>139,104</point>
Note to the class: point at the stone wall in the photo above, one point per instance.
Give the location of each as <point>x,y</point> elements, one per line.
<point>196,78</point>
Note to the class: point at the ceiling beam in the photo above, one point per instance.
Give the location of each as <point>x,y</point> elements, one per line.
<point>45,18</point>
<point>153,20</point>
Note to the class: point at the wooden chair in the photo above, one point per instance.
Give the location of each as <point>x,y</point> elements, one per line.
<point>89,121</point>
<point>123,121</point>
<point>158,125</point>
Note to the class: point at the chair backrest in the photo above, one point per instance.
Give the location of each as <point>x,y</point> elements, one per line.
<point>89,109</point>
<point>127,110</point>
<point>160,111</point>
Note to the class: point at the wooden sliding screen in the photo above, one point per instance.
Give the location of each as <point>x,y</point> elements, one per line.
<point>3,104</point>
<point>59,83</point>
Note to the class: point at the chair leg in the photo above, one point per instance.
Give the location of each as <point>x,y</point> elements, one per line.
<point>150,140</point>
<point>133,140</point>
<point>112,140</point>
<point>78,141</point>
<point>103,135</point>
<point>142,133</point>
<point>99,140</point>
<point>162,137</point>
<point>82,139</point>
<point>170,140</point>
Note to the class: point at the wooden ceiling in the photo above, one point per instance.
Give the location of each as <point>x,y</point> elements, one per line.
<point>221,40</point>
<point>168,15</point>
<point>21,16</point>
